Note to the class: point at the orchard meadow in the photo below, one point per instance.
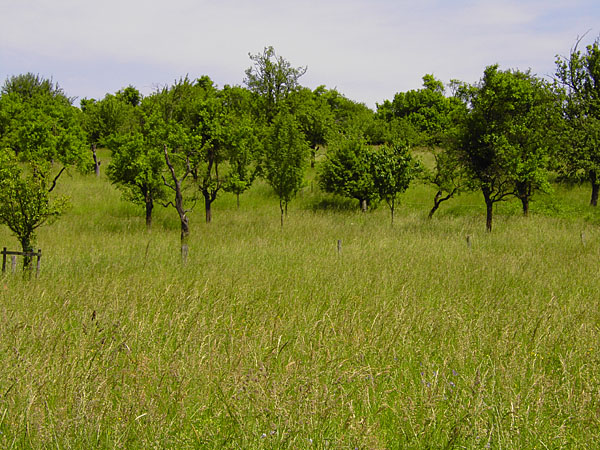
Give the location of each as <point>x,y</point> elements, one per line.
<point>406,336</point>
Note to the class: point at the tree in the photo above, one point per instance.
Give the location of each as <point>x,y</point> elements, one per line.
<point>136,168</point>
<point>392,168</point>
<point>447,176</point>
<point>346,170</point>
<point>130,96</point>
<point>427,117</point>
<point>350,117</point>
<point>222,130</point>
<point>25,203</point>
<point>285,159</point>
<point>579,75</point>
<point>168,120</point>
<point>209,127</point>
<point>272,78</point>
<point>38,122</point>
<point>536,137</point>
<point>114,114</point>
<point>505,143</point>
<point>315,118</point>
<point>427,111</point>
<point>244,145</point>
<point>40,136</point>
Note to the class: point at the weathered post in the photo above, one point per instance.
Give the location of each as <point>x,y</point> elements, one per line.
<point>4,260</point>
<point>13,263</point>
<point>469,241</point>
<point>184,252</point>
<point>339,246</point>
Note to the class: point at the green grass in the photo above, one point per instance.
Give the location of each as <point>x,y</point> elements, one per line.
<point>271,339</point>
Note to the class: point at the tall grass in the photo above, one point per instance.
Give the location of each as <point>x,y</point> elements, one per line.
<point>270,338</point>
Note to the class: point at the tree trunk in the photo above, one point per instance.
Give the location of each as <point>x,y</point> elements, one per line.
<point>282,211</point>
<point>185,230</point>
<point>525,204</point>
<point>489,204</point>
<point>26,247</point>
<point>237,194</point>
<point>436,204</point>
<point>595,188</point>
<point>96,162</point>
<point>185,233</point>
<point>183,218</point>
<point>524,191</point>
<point>149,208</point>
<point>207,206</point>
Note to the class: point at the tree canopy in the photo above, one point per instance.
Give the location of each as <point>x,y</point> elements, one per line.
<point>39,129</point>
<point>579,75</point>
<point>505,142</point>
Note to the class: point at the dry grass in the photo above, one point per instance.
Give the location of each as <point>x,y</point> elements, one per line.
<point>271,339</point>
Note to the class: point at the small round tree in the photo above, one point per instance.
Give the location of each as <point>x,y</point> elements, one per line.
<point>392,168</point>
<point>285,159</point>
<point>346,170</point>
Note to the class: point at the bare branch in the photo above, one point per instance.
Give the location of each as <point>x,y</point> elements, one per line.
<point>56,179</point>
<point>167,184</point>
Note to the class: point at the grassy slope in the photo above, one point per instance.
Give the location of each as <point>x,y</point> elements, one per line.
<point>270,339</point>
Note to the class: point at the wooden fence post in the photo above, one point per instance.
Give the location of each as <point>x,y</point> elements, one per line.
<point>184,252</point>
<point>13,259</point>
<point>339,246</point>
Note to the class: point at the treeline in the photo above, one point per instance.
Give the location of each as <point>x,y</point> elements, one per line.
<point>504,136</point>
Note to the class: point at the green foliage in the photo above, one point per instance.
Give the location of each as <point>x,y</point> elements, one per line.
<point>111,115</point>
<point>314,116</point>
<point>507,140</point>
<point>420,116</point>
<point>130,96</point>
<point>38,122</point>
<point>351,117</point>
<point>25,202</point>
<point>38,128</point>
<point>346,170</point>
<point>447,176</point>
<point>579,75</point>
<point>137,167</point>
<point>272,78</point>
<point>244,146</point>
<point>392,169</point>
<point>285,159</point>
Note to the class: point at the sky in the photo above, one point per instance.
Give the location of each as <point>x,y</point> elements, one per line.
<point>367,49</point>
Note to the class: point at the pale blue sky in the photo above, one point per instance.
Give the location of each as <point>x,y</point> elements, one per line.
<point>369,50</point>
